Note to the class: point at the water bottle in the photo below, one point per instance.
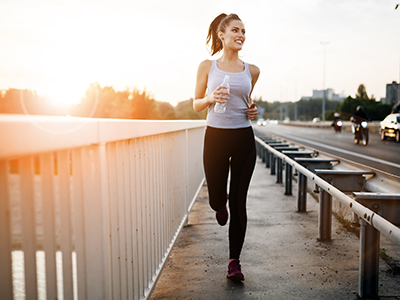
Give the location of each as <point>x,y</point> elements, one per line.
<point>221,107</point>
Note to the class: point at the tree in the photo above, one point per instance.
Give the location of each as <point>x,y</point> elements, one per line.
<point>376,110</point>
<point>361,92</point>
<point>166,111</point>
<point>95,103</point>
<point>17,101</point>
<point>143,105</point>
<point>184,111</point>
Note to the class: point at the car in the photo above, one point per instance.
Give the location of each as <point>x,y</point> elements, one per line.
<point>261,122</point>
<point>316,120</point>
<point>389,127</point>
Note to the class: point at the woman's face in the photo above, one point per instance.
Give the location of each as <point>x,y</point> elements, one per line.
<point>234,35</point>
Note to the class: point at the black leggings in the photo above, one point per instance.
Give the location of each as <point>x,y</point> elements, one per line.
<point>234,147</point>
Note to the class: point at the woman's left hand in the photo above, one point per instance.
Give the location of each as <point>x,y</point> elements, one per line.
<point>252,112</point>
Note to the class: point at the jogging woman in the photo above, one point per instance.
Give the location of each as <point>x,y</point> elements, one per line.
<point>229,139</point>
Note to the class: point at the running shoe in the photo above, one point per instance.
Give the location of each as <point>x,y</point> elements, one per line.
<point>234,270</point>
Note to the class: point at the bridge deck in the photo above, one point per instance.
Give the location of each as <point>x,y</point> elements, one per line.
<point>281,258</point>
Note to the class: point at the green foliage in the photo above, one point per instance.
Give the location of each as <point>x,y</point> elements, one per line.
<point>362,92</point>
<point>100,102</point>
<point>306,109</point>
<point>184,111</point>
<point>105,102</point>
<point>16,101</point>
<point>166,111</point>
<point>376,110</point>
<point>311,108</point>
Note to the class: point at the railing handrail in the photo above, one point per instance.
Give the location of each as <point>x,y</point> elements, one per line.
<point>121,191</point>
<point>28,134</point>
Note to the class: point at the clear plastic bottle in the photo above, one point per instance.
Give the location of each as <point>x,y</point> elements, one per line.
<point>221,107</point>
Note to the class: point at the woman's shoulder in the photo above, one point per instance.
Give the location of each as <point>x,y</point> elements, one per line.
<point>205,64</point>
<point>254,70</point>
<point>204,67</point>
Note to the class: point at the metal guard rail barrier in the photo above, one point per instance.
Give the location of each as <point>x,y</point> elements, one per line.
<point>385,227</point>
<point>369,238</point>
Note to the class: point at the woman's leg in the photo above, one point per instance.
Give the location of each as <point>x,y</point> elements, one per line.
<point>242,167</point>
<point>216,165</point>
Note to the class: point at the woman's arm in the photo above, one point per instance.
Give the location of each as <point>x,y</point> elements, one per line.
<point>252,112</point>
<point>201,101</point>
<point>255,73</point>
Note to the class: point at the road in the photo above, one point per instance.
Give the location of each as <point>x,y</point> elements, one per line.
<point>381,155</point>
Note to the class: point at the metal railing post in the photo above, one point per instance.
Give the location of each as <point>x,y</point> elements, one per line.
<point>263,153</point>
<point>302,193</point>
<point>385,205</point>
<point>278,170</point>
<point>6,284</point>
<point>267,158</point>
<point>288,179</point>
<point>272,163</point>
<point>258,148</point>
<point>325,216</point>
<point>369,261</point>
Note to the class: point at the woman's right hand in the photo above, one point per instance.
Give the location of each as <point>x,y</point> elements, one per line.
<point>220,94</point>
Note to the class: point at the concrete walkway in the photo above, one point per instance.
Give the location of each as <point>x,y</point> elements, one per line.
<point>281,258</point>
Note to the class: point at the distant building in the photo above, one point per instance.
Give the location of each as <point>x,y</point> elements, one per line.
<point>392,93</point>
<point>329,95</point>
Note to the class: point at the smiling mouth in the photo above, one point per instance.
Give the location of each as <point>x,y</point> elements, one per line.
<point>239,42</point>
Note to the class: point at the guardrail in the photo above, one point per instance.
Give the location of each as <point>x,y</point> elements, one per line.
<point>371,208</point>
<point>374,127</point>
<point>98,201</point>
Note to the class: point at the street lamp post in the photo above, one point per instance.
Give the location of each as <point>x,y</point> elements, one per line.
<point>323,83</point>
<point>295,94</point>
<point>398,87</point>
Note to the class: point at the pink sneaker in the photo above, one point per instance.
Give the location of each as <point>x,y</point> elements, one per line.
<point>234,270</point>
<point>222,215</point>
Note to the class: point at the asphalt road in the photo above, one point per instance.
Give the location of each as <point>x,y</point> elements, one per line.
<point>381,155</point>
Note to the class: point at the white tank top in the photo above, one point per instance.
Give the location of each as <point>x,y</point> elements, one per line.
<point>240,87</point>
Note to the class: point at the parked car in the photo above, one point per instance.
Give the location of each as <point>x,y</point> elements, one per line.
<point>390,127</point>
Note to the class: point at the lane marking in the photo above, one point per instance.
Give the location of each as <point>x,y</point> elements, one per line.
<point>342,150</point>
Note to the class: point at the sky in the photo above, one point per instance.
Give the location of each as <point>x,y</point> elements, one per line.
<point>59,47</point>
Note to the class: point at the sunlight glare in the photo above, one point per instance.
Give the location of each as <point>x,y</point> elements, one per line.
<point>64,96</point>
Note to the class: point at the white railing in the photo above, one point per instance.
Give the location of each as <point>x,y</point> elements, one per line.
<point>90,208</point>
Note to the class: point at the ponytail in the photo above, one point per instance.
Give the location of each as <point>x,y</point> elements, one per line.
<point>218,24</point>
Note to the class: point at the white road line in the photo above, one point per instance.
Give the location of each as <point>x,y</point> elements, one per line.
<point>342,150</point>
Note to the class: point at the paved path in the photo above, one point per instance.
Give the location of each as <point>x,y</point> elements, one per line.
<point>281,258</point>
